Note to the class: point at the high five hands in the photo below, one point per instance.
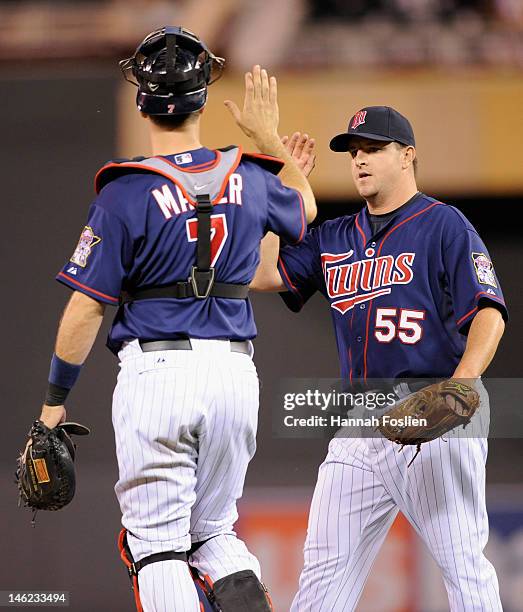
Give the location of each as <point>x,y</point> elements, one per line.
<point>259,119</point>
<point>301,148</point>
<point>260,115</point>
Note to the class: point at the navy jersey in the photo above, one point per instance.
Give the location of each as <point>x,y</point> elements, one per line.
<point>401,300</point>
<point>141,230</point>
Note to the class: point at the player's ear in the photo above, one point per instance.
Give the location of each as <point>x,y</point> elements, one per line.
<point>408,157</point>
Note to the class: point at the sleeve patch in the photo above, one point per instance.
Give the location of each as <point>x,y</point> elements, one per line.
<point>484,269</point>
<point>84,247</point>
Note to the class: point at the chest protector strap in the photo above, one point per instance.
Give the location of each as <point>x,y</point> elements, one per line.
<point>201,283</point>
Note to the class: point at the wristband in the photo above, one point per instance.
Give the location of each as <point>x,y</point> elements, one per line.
<point>62,373</point>
<point>55,395</point>
<point>62,376</point>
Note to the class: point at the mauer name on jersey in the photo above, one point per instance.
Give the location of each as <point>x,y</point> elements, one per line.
<point>175,205</point>
<point>359,281</point>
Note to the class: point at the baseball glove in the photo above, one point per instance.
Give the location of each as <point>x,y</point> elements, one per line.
<point>444,406</point>
<point>45,474</point>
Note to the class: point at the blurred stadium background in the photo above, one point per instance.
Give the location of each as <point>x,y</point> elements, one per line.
<point>454,67</point>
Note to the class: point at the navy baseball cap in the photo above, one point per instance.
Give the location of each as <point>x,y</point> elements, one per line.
<point>381,123</point>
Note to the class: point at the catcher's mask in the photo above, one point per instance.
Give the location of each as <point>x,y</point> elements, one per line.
<point>171,68</point>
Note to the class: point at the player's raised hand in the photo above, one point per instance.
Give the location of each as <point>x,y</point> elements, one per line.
<point>301,148</point>
<point>259,117</point>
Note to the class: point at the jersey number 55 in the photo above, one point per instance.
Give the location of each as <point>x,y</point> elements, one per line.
<point>400,323</point>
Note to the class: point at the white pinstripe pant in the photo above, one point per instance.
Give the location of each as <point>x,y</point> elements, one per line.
<point>362,485</point>
<point>185,427</point>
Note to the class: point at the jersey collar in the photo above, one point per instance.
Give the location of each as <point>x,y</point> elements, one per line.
<point>196,160</point>
<point>414,205</point>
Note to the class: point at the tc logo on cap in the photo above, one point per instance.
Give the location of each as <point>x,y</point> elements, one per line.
<point>358,119</point>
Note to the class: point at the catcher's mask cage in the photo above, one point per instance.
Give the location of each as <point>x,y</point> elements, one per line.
<point>172,68</point>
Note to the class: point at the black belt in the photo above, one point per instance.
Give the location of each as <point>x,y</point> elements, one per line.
<point>237,346</point>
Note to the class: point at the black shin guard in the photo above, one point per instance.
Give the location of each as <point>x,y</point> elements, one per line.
<point>241,592</point>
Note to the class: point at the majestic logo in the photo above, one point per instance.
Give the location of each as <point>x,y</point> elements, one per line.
<point>84,246</point>
<point>484,269</point>
<point>349,284</point>
<point>358,119</point>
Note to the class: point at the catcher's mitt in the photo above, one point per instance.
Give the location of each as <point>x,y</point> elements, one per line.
<point>443,406</point>
<point>45,474</point>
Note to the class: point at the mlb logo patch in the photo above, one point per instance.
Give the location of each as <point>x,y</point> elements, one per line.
<point>358,119</point>
<point>183,158</point>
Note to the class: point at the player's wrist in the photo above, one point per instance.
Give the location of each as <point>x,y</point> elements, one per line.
<point>55,395</point>
<point>269,144</point>
<point>466,374</point>
<point>62,377</point>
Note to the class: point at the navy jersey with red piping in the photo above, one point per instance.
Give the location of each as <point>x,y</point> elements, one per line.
<point>141,231</point>
<point>402,300</point>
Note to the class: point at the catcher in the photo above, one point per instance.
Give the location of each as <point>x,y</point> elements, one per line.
<point>184,313</point>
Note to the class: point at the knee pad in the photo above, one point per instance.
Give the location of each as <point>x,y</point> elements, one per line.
<point>241,592</point>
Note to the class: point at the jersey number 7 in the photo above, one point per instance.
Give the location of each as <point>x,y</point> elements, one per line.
<point>219,234</point>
